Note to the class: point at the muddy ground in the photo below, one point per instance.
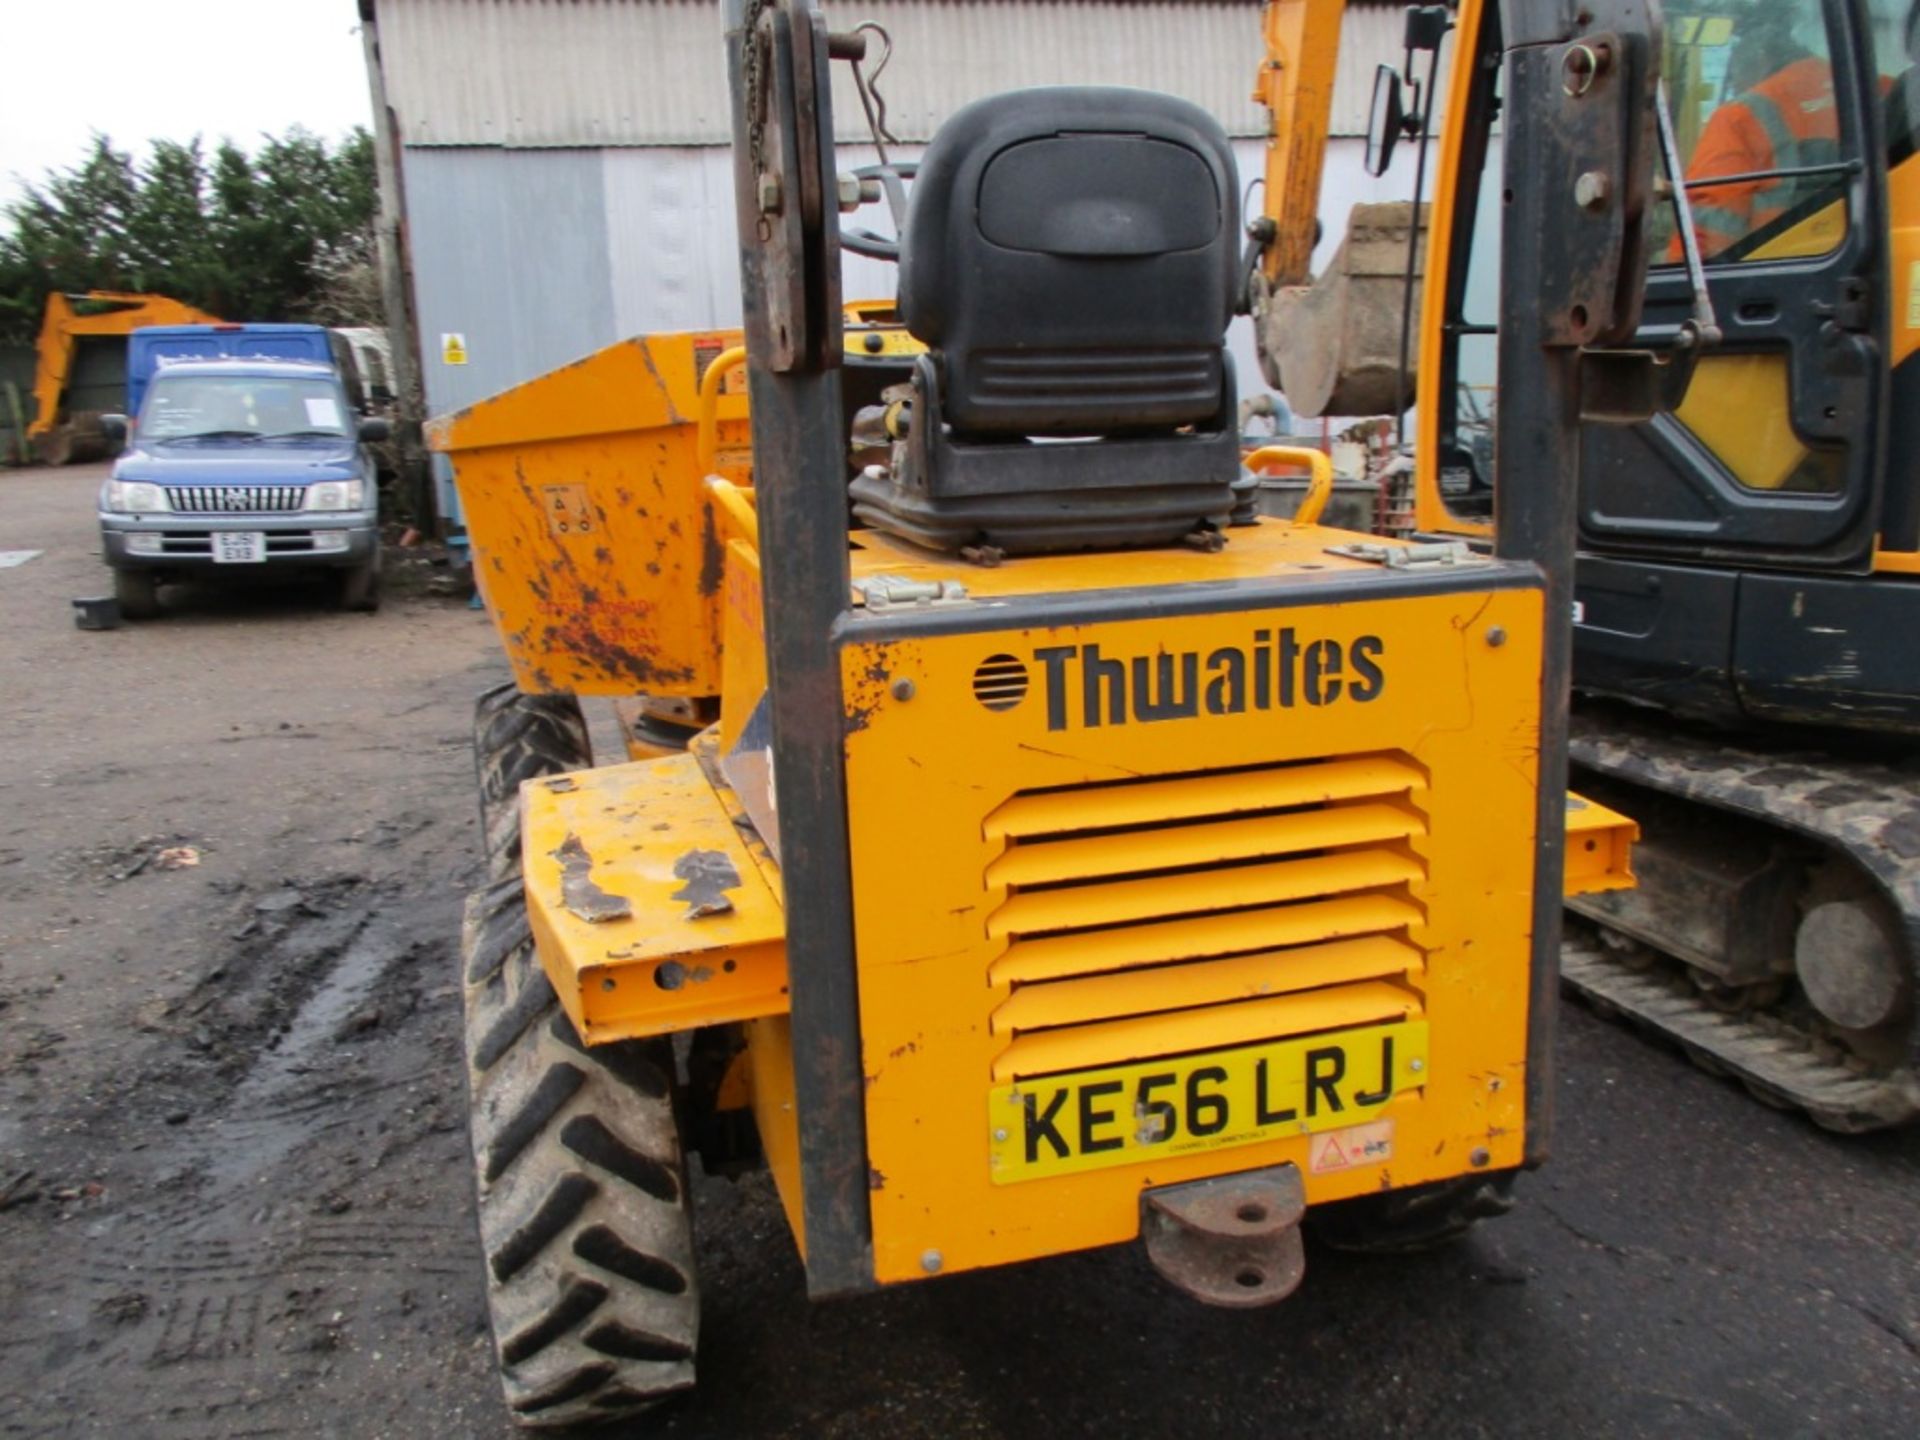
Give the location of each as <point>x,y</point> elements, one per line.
<point>234,1197</point>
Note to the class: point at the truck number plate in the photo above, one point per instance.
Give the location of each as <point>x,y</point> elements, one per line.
<point>239,547</point>
<point>1130,1113</point>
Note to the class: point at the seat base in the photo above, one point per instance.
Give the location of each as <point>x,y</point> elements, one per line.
<point>1027,497</point>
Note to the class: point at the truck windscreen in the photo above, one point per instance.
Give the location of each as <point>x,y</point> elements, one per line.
<point>182,407</point>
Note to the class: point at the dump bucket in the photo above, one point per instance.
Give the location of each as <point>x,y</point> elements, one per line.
<point>595,546</point>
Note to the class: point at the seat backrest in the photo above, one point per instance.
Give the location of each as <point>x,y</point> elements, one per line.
<point>1068,257</point>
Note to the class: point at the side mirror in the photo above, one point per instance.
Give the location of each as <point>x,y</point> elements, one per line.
<point>1386,120</point>
<point>375,427</point>
<point>115,427</point>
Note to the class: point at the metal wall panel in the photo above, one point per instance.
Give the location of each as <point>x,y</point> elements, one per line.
<point>540,257</point>
<point>536,73</point>
<point>509,250</point>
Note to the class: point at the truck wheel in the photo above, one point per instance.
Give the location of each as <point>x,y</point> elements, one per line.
<point>582,1191</point>
<point>1420,1217</point>
<point>582,1187</point>
<point>520,737</point>
<point>358,588</point>
<point>137,593</point>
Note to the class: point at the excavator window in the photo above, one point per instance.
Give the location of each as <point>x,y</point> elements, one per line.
<point>1758,130</point>
<point>1773,106</point>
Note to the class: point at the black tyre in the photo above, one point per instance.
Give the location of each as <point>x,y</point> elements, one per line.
<point>582,1192</point>
<point>1420,1217</point>
<point>516,738</point>
<point>358,588</point>
<point>137,593</point>
<point>583,1200</point>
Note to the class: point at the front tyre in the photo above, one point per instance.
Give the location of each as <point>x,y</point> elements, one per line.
<point>582,1192</point>
<point>358,588</point>
<point>517,738</point>
<point>137,593</point>
<point>583,1205</point>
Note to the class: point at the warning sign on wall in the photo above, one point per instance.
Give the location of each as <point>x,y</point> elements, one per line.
<point>453,348</point>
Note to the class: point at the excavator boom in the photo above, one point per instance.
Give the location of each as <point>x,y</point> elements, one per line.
<point>60,437</point>
<point>1302,40</point>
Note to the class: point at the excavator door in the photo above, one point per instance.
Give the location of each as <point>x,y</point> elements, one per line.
<point>1724,542</point>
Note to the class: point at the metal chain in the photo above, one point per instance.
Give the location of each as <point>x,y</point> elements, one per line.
<point>757,100</point>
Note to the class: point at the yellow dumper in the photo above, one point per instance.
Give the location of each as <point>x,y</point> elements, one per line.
<point>1060,853</point>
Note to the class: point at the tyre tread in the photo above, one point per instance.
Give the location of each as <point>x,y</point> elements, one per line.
<point>582,1204</point>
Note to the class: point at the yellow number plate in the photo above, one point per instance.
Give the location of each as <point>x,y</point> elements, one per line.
<point>1130,1113</point>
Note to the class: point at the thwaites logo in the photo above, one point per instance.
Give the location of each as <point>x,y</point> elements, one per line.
<point>1275,670</point>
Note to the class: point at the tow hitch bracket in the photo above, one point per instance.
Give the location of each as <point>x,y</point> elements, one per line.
<point>1233,1240</point>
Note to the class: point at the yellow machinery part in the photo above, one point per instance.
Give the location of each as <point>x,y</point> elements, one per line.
<point>1418,840</point>
<point>1599,848</point>
<point>1431,514</point>
<point>654,916</point>
<point>1354,822</point>
<point>1736,404</point>
<point>595,543</point>
<point>63,326</point>
<point>1302,46</point>
<point>598,546</point>
<point>1320,469</point>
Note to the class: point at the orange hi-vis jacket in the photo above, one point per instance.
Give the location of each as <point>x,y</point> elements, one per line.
<point>1786,121</point>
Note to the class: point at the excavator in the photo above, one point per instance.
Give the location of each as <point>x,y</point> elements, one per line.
<point>59,434</point>
<point>1077,856</point>
<point>1745,665</point>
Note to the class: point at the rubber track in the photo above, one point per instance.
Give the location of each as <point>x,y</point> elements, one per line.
<point>1866,812</point>
<point>1783,1064</point>
<point>582,1200</point>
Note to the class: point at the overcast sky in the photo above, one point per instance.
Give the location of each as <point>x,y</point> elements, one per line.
<point>139,70</point>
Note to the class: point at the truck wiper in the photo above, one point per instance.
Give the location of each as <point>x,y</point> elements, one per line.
<point>306,435</point>
<point>213,435</point>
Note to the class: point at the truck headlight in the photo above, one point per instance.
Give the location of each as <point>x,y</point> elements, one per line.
<point>135,497</point>
<point>336,494</point>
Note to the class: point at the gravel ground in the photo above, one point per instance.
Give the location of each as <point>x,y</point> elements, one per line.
<point>234,1196</point>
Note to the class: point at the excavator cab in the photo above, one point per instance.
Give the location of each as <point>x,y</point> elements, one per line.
<point>1749,552</point>
<point>1729,543</point>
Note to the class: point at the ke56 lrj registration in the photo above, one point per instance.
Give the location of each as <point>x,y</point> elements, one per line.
<point>1129,1113</point>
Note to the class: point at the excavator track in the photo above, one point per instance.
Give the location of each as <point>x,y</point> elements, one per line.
<point>1859,820</point>
<point>1784,1065</point>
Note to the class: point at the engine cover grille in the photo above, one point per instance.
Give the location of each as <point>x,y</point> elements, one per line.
<point>1156,917</point>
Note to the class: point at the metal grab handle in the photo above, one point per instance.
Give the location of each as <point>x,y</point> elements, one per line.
<point>1319,488</point>
<point>736,505</point>
<point>707,445</point>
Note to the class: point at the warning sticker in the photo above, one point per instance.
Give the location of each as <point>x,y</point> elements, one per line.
<point>706,350</point>
<point>568,510</point>
<point>453,348</point>
<point>1356,1145</point>
<point>1913,295</point>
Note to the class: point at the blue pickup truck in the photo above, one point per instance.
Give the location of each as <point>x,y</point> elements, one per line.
<point>240,465</point>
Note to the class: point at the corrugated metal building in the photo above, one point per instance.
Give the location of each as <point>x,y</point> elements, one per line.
<point>564,167</point>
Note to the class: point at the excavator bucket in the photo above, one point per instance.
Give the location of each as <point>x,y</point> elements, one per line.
<point>1334,346</point>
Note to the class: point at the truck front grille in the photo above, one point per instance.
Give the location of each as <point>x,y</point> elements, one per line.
<point>1157,917</point>
<point>235,499</point>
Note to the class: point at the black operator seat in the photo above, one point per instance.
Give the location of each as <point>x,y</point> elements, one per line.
<point>1068,259</point>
